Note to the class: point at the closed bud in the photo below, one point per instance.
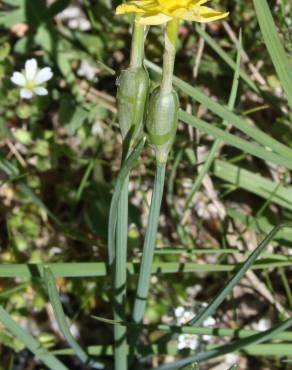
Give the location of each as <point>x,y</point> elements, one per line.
<point>133,86</point>
<point>162,122</point>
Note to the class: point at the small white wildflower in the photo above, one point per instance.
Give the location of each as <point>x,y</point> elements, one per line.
<point>97,129</point>
<point>86,70</point>
<point>32,79</point>
<point>179,311</point>
<point>262,325</point>
<point>187,341</point>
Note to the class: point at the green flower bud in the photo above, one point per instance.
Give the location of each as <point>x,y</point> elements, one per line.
<point>133,86</point>
<point>162,122</point>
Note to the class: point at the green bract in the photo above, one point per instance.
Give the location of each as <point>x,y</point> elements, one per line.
<point>162,122</point>
<point>132,94</point>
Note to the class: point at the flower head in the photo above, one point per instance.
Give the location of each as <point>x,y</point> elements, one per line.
<point>32,79</point>
<point>154,12</point>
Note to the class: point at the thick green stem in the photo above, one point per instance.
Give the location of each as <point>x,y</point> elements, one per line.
<point>169,55</point>
<point>149,244</point>
<point>120,332</point>
<point>137,48</point>
<point>120,278</point>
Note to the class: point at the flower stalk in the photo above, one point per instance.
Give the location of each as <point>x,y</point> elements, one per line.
<point>131,96</point>
<point>161,124</point>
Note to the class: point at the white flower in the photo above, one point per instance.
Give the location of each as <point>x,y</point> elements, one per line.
<point>31,79</point>
<point>179,311</point>
<point>188,341</point>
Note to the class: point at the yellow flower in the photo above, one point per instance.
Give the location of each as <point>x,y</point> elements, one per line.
<point>153,12</point>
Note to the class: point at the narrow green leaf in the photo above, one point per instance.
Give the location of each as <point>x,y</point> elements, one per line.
<point>224,56</point>
<point>219,298</point>
<point>31,343</point>
<point>99,269</point>
<point>274,46</point>
<point>244,145</point>
<point>149,244</point>
<point>129,163</point>
<point>214,149</point>
<point>267,350</point>
<point>49,279</point>
<point>254,183</point>
<point>193,330</point>
<point>229,348</point>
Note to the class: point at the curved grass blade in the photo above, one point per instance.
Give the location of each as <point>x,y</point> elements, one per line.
<point>219,298</point>
<point>31,343</point>
<point>274,46</point>
<point>61,320</point>
<point>227,59</point>
<point>120,279</point>
<point>229,348</point>
<point>238,122</point>
<point>231,102</point>
<point>185,329</point>
<point>149,244</point>
<point>267,350</point>
<point>246,146</point>
<point>129,163</point>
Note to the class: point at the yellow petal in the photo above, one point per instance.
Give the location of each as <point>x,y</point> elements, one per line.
<point>153,20</point>
<point>210,15</point>
<point>128,8</point>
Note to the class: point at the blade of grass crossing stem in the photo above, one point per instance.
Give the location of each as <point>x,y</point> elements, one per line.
<point>248,147</point>
<point>241,124</point>
<point>120,279</point>
<point>217,48</point>
<point>232,98</point>
<point>274,46</point>
<point>215,332</point>
<point>274,349</point>
<point>49,279</point>
<point>219,298</point>
<point>229,348</point>
<point>149,244</point>
<point>237,177</point>
<point>129,163</point>
<point>30,342</point>
<point>99,269</point>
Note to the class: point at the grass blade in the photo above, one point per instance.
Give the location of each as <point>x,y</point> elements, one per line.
<point>129,163</point>
<point>219,298</point>
<point>99,269</point>
<point>229,348</point>
<point>49,279</point>
<point>31,343</point>
<point>248,147</point>
<point>232,98</point>
<point>120,279</point>
<point>254,183</point>
<point>224,56</point>
<point>149,244</point>
<point>274,46</point>
<point>267,350</point>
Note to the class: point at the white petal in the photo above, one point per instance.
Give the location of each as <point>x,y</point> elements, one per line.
<point>40,91</point>
<point>45,74</point>
<point>18,79</point>
<point>26,93</point>
<point>30,69</point>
